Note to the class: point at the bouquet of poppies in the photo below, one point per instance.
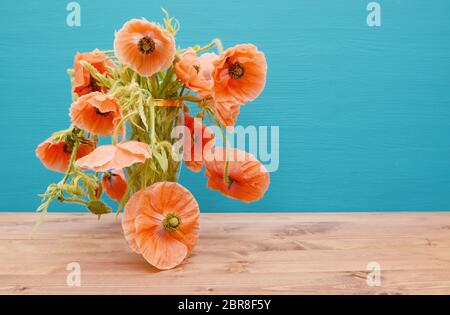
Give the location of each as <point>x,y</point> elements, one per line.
<point>132,126</point>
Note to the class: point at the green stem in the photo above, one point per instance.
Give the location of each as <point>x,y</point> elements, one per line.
<point>182,89</point>
<point>214,43</point>
<point>103,80</point>
<point>166,81</point>
<point>71,161</point>
<point>152,124</point>
<point>226,177</point>
<point>123,201</point>
<point>190,98</point>
<point>121,122</point>
<point>131,179</point>
<point>74,200</point>
<point>155,85</point>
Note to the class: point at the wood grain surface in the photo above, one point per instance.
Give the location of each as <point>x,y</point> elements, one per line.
<point>236,254</point>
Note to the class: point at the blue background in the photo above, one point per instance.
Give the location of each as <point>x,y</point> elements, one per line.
<point>364,112</point>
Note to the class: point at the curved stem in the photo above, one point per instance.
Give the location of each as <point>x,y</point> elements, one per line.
<point>74,200</point>
<point>214,43</point>
<point>166,81</point>
<point>71,161</point>
<point>190,98</point>
<point>182,89</point>
<point>226,177</point>
<point>152,124</point>
<point>103,80</point>
<point>121,122</point>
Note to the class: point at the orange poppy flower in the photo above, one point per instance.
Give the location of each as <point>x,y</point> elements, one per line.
<point>225,112</point>
<point>196,71</point>
<point>239,74</point>
<point>145,47</point>
<point>199,139</point>
<point>56,155</point>
<point>247,180</point>
<point>161,223</point>
<point>115,184</point>
<point>83,82</point>
<point>96,113</point>
<point>115,157</point>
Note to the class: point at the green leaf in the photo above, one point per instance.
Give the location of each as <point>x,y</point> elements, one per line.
<point>161,157</point>
<point>153,167</point>
<point>101,79</point>
<point>98,207</point>
<point>142,114</point>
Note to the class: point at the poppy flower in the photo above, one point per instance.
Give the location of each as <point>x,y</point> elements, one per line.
<point>225,112</point>
<point>197,141</point>
<point>83,82</point>
<point>239,74</point>
<point>115,157</point>
<point>161,223</point>
<point>195,71</point>
<point>145,47</point>
<point>247,178</point>
<point>56,155</point>
<point>96,113</point>
<point>115,184</point>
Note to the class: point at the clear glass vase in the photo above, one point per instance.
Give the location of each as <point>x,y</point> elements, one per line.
<point>161,118</point>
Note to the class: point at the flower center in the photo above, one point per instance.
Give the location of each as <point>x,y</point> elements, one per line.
<point>236,71</point>
<point>197,68</point>
<point>171,222</point>
<point>68,145</point>
<point>98,112</point>
<point>68,148</point>
<point>94,86</point>
<point>146,45</point>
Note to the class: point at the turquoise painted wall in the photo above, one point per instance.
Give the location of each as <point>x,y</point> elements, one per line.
<point>364,112</point>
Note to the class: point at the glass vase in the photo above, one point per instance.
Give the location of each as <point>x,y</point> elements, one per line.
<point>162,117</point>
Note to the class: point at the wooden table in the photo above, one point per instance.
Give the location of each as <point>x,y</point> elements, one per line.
<point>237,254</point>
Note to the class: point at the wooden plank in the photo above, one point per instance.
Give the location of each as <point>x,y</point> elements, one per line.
<point>279,253</point>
